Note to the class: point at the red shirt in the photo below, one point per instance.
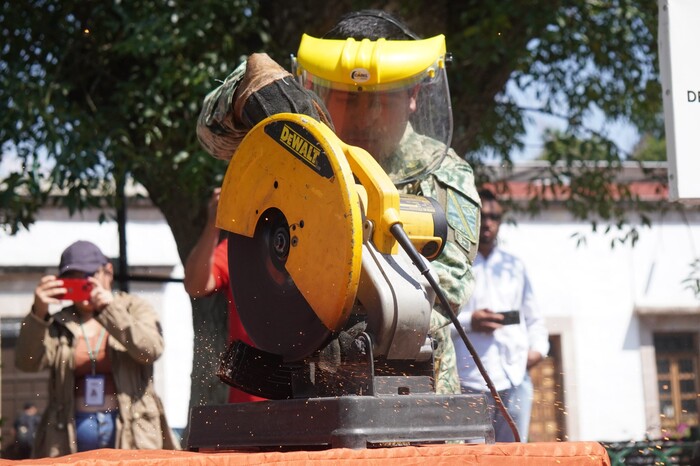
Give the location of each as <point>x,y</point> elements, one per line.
<point>235,326</point>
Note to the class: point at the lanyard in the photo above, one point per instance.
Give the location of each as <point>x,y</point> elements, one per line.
<point>93,355</point>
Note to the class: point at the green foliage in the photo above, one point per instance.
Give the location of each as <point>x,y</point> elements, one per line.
<point>572,56</point>
<point>586,176</point>
<point>650,149</point>
<point>662,452</point>
<point>97,91</point>
<point>574,60</point>
<point>98,88</point>
<point>18,211</point>
<point>692,281</point>
<point>91,91</point>
<point>591,191</point>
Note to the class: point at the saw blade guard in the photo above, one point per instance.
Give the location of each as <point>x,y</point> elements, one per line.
<point>304,236</point>
<point>296,234</point>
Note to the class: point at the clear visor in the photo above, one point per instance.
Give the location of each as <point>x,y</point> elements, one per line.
<point>406,127</point>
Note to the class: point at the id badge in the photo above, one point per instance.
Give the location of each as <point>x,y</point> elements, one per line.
<point>94,390</point>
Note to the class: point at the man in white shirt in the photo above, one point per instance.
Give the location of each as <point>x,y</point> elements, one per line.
<point>508,343</point>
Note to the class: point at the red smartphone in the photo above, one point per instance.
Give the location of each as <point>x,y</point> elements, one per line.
<point>78,289</point>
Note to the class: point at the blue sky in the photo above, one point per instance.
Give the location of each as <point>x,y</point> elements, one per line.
<point>623,134</point>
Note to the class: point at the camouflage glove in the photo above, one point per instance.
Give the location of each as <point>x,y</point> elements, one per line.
<point>268,89</point>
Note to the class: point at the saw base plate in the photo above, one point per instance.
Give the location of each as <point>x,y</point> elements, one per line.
<point>341,422</point>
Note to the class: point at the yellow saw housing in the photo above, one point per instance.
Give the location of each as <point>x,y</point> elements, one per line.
<point>284,163</point>
<point>294,173</point>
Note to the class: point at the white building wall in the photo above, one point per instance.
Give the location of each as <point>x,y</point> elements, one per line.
<point>589,294</point>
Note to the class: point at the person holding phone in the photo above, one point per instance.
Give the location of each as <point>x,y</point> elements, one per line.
<point>504,324</point>
<point>100,349</point>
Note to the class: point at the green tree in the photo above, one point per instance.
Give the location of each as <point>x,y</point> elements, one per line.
<point>93,93</point>
<point>559,145</point>
<point>650,149</point>
<point>102,91</point>
<point>583,173</point>
<point>99,90</point>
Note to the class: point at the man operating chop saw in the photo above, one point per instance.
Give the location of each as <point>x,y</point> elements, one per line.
<point>398,110</point>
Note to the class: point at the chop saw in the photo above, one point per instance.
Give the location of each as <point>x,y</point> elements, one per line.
<point>328,266</point>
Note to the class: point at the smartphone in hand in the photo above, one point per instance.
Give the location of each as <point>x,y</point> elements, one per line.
<point>510,317</point>
<point>78,289</point>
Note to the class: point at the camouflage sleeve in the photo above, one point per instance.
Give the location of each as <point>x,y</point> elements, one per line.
<point>457,194</point>
<point>444,357</point>
<point>454,188</point>
<point>455,277</point>
<point>217,129</point>
<point>456,280</point>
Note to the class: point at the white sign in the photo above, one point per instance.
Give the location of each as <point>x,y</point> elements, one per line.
<point>679,55</point>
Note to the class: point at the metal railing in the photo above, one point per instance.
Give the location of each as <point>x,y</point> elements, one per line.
<point>654,452</point>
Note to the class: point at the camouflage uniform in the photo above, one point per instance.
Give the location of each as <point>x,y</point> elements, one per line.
<point>451,182</point>
<point>445,177</point>
<point>217,130</point>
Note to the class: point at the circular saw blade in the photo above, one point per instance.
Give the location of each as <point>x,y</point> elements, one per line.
<point>273,311</point>
<point>296,236</point>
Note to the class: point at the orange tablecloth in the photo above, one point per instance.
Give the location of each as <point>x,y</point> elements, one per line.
<point>527,454</point>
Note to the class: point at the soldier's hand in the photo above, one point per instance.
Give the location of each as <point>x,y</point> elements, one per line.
<point>486,321</point>
<point>268,89</point>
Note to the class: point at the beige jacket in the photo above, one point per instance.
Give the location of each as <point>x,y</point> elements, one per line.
<point>135,342</point>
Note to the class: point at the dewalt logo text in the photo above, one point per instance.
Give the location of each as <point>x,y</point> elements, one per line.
<point>300,146</point>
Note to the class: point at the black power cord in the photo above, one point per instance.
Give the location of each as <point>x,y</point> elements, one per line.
<point>405,242</point>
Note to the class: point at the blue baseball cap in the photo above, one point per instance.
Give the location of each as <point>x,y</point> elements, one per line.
<point>82,256</point>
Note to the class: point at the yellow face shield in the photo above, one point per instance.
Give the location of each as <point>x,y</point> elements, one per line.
<point>367,65</point>
<point>389,97</point>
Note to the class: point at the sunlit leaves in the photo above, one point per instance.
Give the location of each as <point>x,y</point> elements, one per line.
<point>692,282</point>
<point>586,177</point>
<point>117,86</point>
<point>650,149</point>
<point>17,211</point>
<point>102,87</point>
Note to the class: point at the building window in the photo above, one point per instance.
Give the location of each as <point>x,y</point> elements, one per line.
<point>548,419</point>
<point>676,367</point>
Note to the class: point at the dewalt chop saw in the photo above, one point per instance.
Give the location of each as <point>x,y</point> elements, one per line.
<point>322,257</point>
<point>330,273</point>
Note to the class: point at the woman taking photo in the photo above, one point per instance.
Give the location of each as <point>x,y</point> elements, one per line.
<point>100,352</point>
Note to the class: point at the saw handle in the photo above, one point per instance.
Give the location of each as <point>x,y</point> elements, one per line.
<point>402,238</point>
<point>383,204</point>
<point>424,221</point>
